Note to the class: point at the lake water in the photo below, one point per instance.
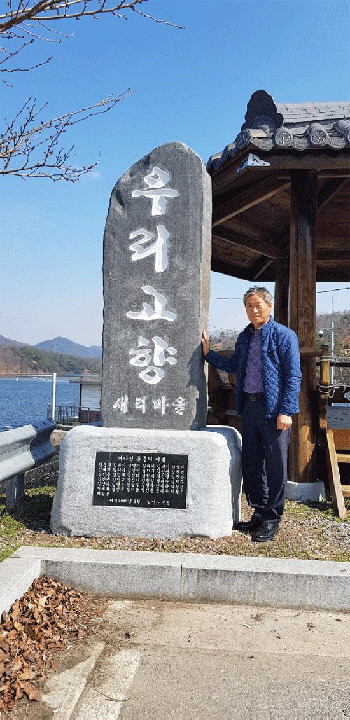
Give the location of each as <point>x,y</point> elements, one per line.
<point>26,400</point>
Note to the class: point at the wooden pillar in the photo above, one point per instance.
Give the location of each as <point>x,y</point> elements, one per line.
<point>281,290</point>
<point>302,317</point>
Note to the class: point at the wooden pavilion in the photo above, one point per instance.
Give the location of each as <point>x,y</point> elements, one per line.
<point>281,195</point>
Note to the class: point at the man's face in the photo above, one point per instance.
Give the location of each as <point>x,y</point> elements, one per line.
<point>258,310</point>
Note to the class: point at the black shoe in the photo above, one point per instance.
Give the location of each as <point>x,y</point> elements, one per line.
<point>250,526</point>
<point>266,531</point>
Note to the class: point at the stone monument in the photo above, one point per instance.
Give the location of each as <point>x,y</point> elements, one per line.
<point>148,471</point>
<point>157,253</point>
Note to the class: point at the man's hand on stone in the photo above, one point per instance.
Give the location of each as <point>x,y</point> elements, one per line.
<point>205,343</point>
<point>284,422</point>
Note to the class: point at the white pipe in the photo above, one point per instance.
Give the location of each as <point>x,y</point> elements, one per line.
<point>54,375</point>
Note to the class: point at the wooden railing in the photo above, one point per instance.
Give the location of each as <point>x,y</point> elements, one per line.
<point>334,440</point>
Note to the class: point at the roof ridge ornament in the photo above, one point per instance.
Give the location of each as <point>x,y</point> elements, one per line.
<point>262,113</point>
<point>283,137</point>
<point>317,134</point>
<point>343,128</point>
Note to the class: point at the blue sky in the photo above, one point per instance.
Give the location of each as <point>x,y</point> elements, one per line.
<point>190,85</point>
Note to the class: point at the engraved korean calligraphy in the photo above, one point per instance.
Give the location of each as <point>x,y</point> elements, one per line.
<point>151,480</point>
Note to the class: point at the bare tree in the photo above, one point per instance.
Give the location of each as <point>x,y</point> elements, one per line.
<point>30,143</point>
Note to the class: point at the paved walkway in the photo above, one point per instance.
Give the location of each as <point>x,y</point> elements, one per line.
<point>153,660</point>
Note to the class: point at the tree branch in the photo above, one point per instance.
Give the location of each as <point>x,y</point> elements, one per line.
<point>29,147</point>
<point>49,10</point>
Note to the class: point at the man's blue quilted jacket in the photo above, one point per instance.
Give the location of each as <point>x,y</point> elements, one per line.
<point>280,359</point>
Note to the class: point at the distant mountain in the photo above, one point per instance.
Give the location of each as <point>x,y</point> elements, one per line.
<point>68,347</point>
<point>8,341</point>
<point>25,359</point>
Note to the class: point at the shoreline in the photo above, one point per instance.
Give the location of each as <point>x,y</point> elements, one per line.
<point>35,375</point>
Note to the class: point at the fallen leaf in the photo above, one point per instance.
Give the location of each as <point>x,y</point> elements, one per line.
<point>31,691</point>
<point>26,674</point>
<point>19,693</point>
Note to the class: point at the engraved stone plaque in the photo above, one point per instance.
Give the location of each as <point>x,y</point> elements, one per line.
<point>151,480</point>
<point>156,269</point>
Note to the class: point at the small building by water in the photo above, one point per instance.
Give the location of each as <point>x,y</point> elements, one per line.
<point>90,398</point>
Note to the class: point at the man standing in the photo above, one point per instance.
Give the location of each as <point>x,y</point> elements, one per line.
<point>267,362</point>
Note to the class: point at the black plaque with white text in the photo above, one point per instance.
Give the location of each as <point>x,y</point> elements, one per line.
<point>148,480</point>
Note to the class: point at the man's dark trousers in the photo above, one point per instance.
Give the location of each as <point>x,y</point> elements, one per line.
<point>264,460</point>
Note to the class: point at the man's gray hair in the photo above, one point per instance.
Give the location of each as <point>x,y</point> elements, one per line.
<point>258,291</point>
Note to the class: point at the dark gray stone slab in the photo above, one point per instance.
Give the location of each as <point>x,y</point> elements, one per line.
<point>157,251</point>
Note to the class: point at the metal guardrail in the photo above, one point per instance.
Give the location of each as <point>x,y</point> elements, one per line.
<point>21,449</point>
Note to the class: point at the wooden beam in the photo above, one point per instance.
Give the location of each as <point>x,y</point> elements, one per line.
<point>317,159</point>
<point>237,225</point>
<point>335,274</point>
<point>282,289</point>
<point>343,457</point>
<point>235,239</point>
<point>329,190</point>
<point>334,174</point>
<point>333,256</point>
<point>230,171</point>
<point>302,317</point>
<point>231,270</point>
<point>310,352</point>
<point>322,175</point>
<point>260,266</point>
<point>263,264</point>
<point>247,198</point>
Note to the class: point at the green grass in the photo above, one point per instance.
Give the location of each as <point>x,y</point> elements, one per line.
<point>8,551</point>
<point>9,527</point>
<point>303,511</point>
<point>33,514</point>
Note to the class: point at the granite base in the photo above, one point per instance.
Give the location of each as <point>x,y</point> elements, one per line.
<point>213,484</point>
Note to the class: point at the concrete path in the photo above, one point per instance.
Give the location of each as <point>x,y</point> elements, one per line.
<point>153,660</point>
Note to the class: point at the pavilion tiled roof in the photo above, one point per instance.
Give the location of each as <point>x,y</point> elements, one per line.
<point>291,126</point>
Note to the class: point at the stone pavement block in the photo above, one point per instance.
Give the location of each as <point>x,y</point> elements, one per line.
<point>266,581</point>
<point>112,573</point>
<point>63,690</point>
<point>16,576</point>
<point>308,584</point>
<point>304,492</point>
<point>113,676</point>
<point>189,661</point>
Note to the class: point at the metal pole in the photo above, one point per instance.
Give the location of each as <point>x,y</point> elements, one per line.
<point>54,375</point>
<point>332,352</point>
<point>332,343</point>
